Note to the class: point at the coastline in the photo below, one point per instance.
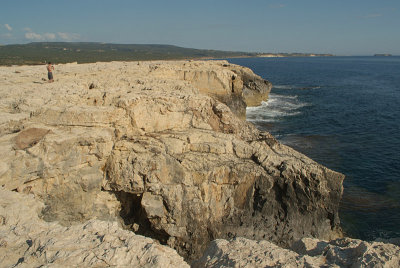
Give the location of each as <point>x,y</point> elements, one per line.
<point>159,144</point>
<point>66,52</point>
<point>308,111</point>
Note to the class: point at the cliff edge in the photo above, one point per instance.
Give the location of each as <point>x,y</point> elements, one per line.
<point>160,147</point>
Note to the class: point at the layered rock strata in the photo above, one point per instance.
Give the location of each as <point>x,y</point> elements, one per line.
<point>152,144</point>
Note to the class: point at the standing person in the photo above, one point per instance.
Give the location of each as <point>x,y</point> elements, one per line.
<point>50,69</point>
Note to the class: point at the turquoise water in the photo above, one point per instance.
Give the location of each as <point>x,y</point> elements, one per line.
<point>343,112</point>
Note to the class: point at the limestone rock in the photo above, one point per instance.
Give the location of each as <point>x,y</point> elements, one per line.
<point>241,252</point>
<point>27,241</point>
<point>236,86</point>
<point>308,252</point>
<point>160,145</point>
<point>29,137</point>
<point>216,185</point>
<point>255,89</point>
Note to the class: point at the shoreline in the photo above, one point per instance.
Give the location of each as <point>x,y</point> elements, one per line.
<point>157,147</point>
<point>205,58</point>
<point>369,187</point>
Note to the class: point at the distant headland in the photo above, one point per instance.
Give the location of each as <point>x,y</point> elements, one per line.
<point>89,52</point>
<point>382,55</point>
<point>278,55</point>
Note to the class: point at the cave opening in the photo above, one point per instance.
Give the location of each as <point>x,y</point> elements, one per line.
<point>135,219</point>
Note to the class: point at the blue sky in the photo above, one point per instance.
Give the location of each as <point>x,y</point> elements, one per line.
<point>342,27</point>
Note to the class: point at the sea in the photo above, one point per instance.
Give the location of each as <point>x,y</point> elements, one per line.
<point>342,112</point>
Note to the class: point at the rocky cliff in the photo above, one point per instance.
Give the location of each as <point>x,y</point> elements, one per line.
<point>159,147</point>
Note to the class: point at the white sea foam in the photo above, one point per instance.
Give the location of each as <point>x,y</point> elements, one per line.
<point>296,87</point>
<point>276,108</point>
<point>284,86</point>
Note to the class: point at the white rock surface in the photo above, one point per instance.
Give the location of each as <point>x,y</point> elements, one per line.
<point>27,241</point>
<point>307,252</point>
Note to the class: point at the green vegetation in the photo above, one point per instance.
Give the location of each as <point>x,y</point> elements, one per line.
<point>42,52</point>
<point>383,55</point>
<point>64,52</point>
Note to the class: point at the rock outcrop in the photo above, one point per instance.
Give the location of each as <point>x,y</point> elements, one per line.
<point>153,144</point>
<point>236,86</point>
<point>27,241</point>
<point>307,252</point>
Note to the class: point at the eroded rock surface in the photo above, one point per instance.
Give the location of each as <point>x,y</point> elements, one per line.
<point>236,86</point>
<point>151,142</point>
<point>27,241</point>
<point>307,252</point>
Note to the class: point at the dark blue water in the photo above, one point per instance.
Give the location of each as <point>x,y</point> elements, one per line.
<point>343,112</point>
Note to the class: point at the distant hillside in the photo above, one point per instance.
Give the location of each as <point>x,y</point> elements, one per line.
<point>383,55</point>
<point>63,52</point>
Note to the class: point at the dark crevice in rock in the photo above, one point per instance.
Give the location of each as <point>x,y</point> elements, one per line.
<point>279,197</point>
<point>20,260</point>
<point>134,217</point>
<point>332,221</point>
<point>255,159</point>
<point>259,200</point>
